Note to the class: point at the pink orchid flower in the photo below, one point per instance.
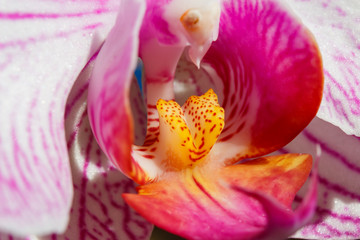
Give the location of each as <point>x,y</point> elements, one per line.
<point>261,62</point>
<point>56,38</point>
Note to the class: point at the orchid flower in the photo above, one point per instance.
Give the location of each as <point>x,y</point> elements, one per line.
<point>261,64</point>
<point>56,38</point>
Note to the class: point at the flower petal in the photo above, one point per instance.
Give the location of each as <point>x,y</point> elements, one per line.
<point>283,222</point>
<point>45,47</point>
<point>279,176</point>
<point>98,210</point>
<point>270,77</point>
<point>203,204</point>
<point>337,31</point>
<point>338,209</point>
<point>108,102</point>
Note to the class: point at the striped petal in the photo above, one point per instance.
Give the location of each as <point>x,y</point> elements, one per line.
<point>268,76</point>
<point>213,204</point>
<point>98,210</point>
<point>338,209</point>
<point>44,46</point>
<point>337,31</point>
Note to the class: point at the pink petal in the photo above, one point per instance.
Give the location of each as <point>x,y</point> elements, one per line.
<point>108,101</point>
<point>338,211</point>
<point>45,46</point>
<point>335,25</point>
<point>269,77</point>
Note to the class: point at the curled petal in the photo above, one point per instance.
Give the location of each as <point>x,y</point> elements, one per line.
<point>41,55</point>
<point>98,210</point>
<point>108,100</point>
<point>337,32</point>
<point>203,204</point>
<point>283,222</point>
<point>270,77</point>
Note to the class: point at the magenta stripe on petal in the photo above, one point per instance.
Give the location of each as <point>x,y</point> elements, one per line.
<point>338,207</point>
<point>98,210</point>
<point>270,69</point>
<point>40,60</point>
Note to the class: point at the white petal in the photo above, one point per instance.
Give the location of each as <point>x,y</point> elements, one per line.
<point>43,47</point>
<point>98,210</point>
<point>335,25</point>
<point>338,212</point>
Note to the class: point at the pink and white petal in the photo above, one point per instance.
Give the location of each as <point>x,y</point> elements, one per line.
<point>109,89</point>
<point>335,25</point>
<point>270,77</point>
<point>98,210</point>
<point>337,214</point>
<point>46,45</point>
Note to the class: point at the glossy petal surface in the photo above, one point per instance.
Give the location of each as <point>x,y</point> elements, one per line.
<point>337,32</point>
<point>269,77</point>
<point>43,47</point>
<point>98,210</point>
<point>212,204</point>
<point>338,209</point>
<point>108,103</point>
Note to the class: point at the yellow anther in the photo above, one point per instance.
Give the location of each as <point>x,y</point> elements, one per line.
<point>187,134</point>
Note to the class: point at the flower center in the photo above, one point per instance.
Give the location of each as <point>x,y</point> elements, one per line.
<point>186,134</point>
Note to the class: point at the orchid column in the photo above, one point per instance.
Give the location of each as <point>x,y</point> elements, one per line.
<point>190,25</point>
